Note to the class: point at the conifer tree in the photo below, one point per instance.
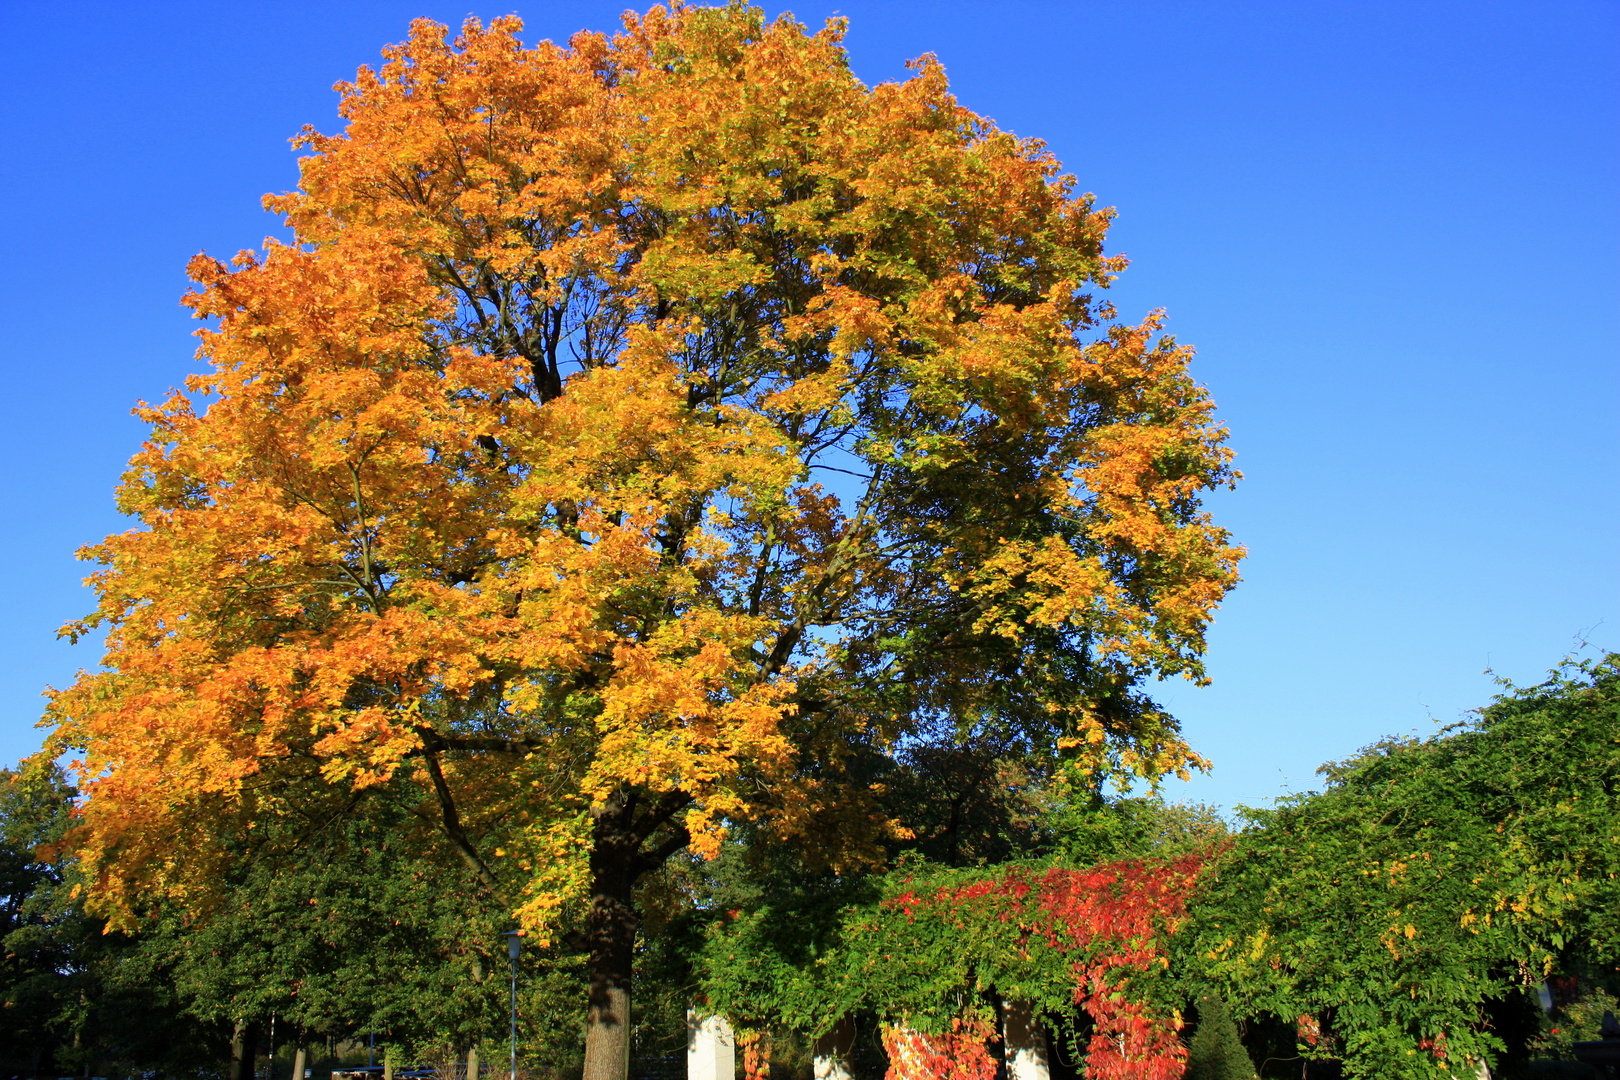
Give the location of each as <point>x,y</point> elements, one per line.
<point>1216,1051</point>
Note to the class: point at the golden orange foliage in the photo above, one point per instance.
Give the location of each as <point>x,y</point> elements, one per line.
<point>642,423</point>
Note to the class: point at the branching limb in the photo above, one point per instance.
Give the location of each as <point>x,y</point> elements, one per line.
<point>452,824</point>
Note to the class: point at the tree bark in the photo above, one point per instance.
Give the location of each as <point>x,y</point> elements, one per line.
<point>233,1064</point>
<point>611,938</point>
<point>244,1047</point>
<point>299,1056</point>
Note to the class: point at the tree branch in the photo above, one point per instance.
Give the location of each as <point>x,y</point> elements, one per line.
<point>652,860</point>
<point>433,742</point>
<point>668,805</point>
<point>452,824</point>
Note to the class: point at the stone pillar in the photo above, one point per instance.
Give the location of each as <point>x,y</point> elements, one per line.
<point>1024,1040</point>
<point>711,1048</point>
<point>833,1050</point>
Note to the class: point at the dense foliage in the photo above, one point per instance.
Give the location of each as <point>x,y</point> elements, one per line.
<point>345,932</point>
<point>929,950</point>
<point>1391,925</point>
<point>1492,845</point>
<point>631,433</point>
<point>1430,882</point>
<point>73,998</point>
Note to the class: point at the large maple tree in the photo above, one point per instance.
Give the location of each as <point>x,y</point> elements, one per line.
<point>631,432</point>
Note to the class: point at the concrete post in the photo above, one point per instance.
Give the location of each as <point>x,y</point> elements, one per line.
<point>711,1048</point>
<point>1024,1040</point>
<point>833,1050</point>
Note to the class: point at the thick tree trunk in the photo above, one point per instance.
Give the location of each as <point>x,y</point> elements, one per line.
<point>299,1056</point>
<point>607,1026</point>
<point>611,939</point>
<point>630,837</point>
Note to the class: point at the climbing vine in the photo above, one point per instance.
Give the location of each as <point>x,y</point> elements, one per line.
<point>1395,916</point>
<point>959,1054</point>
<point>935,951</point>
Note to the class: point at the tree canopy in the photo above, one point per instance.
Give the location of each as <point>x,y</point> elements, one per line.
<point>633,434</point>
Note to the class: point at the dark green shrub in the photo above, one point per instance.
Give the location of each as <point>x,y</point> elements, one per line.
<point>1216,1052</point>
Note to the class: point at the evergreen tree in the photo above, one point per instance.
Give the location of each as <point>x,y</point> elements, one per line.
<point>1216,1052</point>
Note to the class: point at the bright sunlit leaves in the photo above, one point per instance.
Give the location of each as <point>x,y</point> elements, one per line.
<point>655,418</point>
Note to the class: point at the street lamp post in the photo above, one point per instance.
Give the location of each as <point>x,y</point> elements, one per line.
<point>512,945</point>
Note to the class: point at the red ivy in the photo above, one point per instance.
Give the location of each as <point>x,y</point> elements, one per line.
<point>756,1055</point>
<point>1112,919</point>
<point>962,1054</point>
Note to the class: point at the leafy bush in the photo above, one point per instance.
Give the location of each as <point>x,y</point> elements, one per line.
<point>1430,878</point>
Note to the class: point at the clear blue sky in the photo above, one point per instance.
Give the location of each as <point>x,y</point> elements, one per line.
<point>1391,229</point>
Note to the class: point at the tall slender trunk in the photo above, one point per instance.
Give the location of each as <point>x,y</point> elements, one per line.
<point>611,938</point>
<point>233,1064</point>
<point>244,1048</point>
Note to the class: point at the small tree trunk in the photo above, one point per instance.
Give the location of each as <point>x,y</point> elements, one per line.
<point>243,1047</point>
<point>472,1062</point>
<point>299,1054</point>
<point>611,937</point>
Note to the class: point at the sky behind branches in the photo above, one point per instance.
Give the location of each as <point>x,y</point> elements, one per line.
<point>1391,230</point>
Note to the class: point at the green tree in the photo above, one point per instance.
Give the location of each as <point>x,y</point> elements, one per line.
<point>1216,1052</point>
<point>335,924</point>
<point>72,996</point>
<point>344,925</point>
<point>1383,916</point>
<point>1088,828</point>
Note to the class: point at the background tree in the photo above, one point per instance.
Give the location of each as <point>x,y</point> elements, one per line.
<point>1395,918</point>
<point>331,927</point>
<point>634,434</point>
<point>73,998</point>
<point>342,927</point>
